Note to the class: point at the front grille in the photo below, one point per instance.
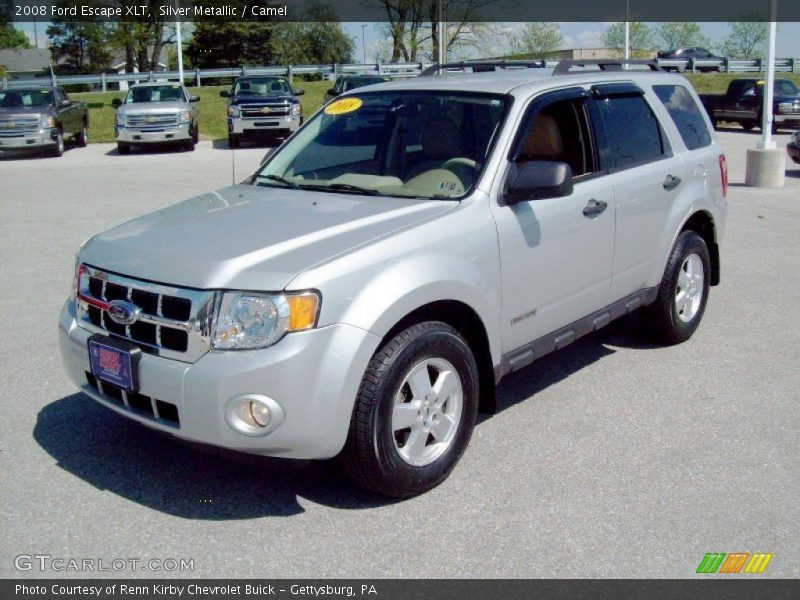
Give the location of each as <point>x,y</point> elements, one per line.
<point>171,322</point>
<point>16,125</point>
<point>256,111</point>
<point>152,121</point>
<point>789,107</point>
<point>152,408</point>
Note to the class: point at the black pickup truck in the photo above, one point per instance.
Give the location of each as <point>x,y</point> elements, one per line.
<point>743,101</point>
<point>41,118</point>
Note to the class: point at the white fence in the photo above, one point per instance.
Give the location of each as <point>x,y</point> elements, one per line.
<point>196,76</point>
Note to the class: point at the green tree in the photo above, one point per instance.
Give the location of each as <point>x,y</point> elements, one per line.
<point>745,39</point>
<point>641,38</point>
<point>83,47</point>
<point>677,34</point>
<point>10,37</point>
<point>537,39</point>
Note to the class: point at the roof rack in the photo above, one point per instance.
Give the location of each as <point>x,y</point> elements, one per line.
<point>481,66</point>
<point>565,67</point>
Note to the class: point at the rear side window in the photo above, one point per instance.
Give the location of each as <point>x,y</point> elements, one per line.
<point>633,135</point>
<point>685,114</point>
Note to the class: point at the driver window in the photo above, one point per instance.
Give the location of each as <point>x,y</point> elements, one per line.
<point>560,132</point>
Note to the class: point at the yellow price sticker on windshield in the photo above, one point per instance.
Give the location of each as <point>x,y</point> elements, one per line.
<point>345,105</point>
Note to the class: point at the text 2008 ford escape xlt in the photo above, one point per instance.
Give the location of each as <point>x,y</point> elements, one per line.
<point>409,246</point>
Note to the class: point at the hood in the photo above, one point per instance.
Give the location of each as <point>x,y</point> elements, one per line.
<point>151,107</point>
<point>26,110</point>
<point>251,99</point>
<point>249,237</point>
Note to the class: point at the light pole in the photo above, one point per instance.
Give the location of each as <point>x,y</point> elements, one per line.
<point>627,31</point>
<point>364,43</point>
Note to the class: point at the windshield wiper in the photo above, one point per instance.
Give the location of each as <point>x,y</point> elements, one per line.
<point>342,187</point>
<point>283,180</point>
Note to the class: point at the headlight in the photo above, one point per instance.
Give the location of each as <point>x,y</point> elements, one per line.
<point>185,116</point>
<point>248,320</point>
<point>233,111</point>
<point>120,120</point>
<point>48,121</point>
<point>297,109</point>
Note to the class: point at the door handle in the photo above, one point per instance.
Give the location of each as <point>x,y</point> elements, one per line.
<point>594,208</point>
<point>671,182</point>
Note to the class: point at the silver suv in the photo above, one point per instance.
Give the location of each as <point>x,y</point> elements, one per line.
<point>156,113</point>
<point>413,243</point>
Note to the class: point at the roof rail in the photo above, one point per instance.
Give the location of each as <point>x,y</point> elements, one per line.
<point>565,67</point>
<point>480,66</point>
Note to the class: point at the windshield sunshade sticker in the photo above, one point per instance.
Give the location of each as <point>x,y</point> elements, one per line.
<point>345,105</point>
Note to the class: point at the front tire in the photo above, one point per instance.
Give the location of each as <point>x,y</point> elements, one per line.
<point>123,148</point>
<point>58,149</point>
<point>683,292</point>
<point>415,412</point>
<point>233,141</point>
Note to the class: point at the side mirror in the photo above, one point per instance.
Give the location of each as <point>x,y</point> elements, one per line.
<point>116,102</point>
<point>538,180</point>
<point>331,92</point>
<point>65,103</point>
<point>299,91</point>
<point>194,98</point>
<point>224,94</point>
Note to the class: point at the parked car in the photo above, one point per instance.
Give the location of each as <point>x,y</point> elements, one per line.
<point>345,83</point>
<point>262,106</point>
<point>40,118</point>
<point>415,242</point>
<point>156,114</point>
<point>690,53</point>
<point>793,147</point>
<point>743,101</point>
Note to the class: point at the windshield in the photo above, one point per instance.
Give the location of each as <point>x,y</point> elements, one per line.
<point>261,86</point>
<point>781,86</point>
<point>399,143</point>
<point>156,93</point>
<point>25,98</point>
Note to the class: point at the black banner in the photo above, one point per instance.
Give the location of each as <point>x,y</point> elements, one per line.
<point>733,588</point>
<point>378,10</point>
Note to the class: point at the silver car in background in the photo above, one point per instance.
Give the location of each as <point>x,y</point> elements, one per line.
<point>156,113</point>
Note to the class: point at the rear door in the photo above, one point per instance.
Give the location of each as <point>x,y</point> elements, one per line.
<point>648,179</point>
<point>556,253</point>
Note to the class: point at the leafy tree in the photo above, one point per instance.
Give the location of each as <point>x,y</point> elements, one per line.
<point>537,39</point>
<point>10,37</point>
<point>641,38</point>
<point>677,34</point>
<point>745,39</point>
<point>83,46</point>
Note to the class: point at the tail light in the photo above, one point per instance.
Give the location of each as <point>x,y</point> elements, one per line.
<point>723,174</point>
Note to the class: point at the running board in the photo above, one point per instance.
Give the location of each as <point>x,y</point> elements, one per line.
<point>522,357</point>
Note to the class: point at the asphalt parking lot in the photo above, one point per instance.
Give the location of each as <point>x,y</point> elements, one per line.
<point>612,458</point>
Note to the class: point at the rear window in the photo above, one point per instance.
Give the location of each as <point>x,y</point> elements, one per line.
<point>685,114</point>
<point>632,132</point>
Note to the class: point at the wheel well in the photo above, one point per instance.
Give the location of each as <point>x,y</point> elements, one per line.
<point>466,321</point>
<point>703,224</point>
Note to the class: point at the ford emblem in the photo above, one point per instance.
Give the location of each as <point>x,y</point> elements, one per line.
<point>123,312</point>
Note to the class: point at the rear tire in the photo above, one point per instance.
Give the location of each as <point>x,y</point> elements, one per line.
<point>414,413</point>
<point>683,292</point>
<point>82,139</point>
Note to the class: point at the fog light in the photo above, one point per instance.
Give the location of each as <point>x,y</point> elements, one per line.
<point>253,414</point>
<point>259,413</point>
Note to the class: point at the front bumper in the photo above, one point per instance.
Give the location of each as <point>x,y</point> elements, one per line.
<point>793,150</point>
<point>285,124</point>
<point>29,140</point>
<point>786,118</point>
<point>313,375</point>
<point>180,133</point>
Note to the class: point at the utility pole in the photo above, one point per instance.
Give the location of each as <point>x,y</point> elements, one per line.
<point>180,48</point>
<point>627,31</point>
<point>442,54</point>
<point>364,43</point>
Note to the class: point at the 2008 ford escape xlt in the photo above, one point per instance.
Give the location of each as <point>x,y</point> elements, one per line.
<point>410,245</point>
